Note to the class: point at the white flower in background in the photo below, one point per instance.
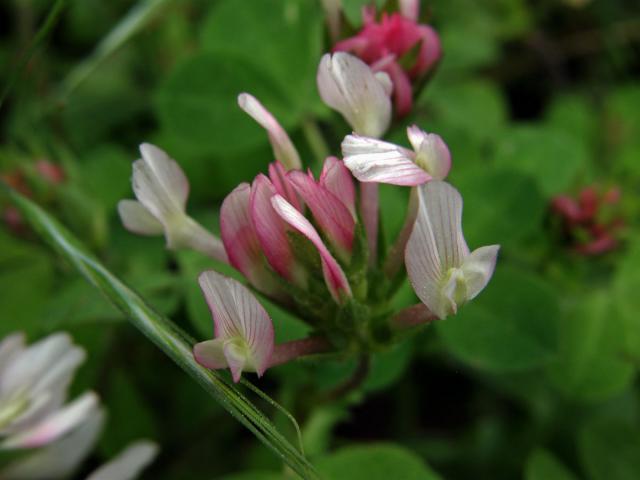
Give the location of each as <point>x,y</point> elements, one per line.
<point>443,273</point>
<point>33,415</point>
<point>33,390</point>
<point>348,85</point>
<point>162,188</point>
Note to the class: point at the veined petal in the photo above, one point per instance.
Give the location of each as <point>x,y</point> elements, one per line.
<point>332,215</point>
<point>348,85</point>
<point>129,463</point>
<point>54,426</point>
<point>478,268</point>
<point>137,219</point>
<point>210,354</point>
<point>283,148</point>
<point>334,277</point>
<point>436,244</point>
<point>159,183</point>
<point>240,239</point>
<point>432,154</point>
<point>278,177</point>
<point>336,178</point>
<point>372,160</point>
<point>270,228</point>
<point>237,314</point>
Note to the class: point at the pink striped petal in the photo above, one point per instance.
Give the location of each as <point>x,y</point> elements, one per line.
<point>332,215</point>
<point>336,178</point>
<point>240,322</point>
<point>270,228</point>
<point>436,244</point>
<point>278,177</point>
<point>432,154</point>
<point>240,239</point>
<point>372,160</point>
<point>334,277</point>
<point>283,149</point>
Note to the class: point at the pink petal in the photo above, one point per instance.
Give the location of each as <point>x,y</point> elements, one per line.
<point>278,177</point>
<point>283,149</point>
<point>270,228</point>
<point>372,160</point>
<point>402,90</point>
<point>410,9</point>
<point>336,178</point>
<point>334,276</point>
<point>237,313</point>
<point>430,51</point>
<point>436,244</point>
<point>332,215</point>
<point>369,209</point>
<point>240,238</point>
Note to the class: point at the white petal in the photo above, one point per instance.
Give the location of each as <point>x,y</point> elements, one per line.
<point>478,268</point>
<point>348,85</point>
<point>159,183</point>
<point>238,314</point>
<point>436,244</point>
<point>10,348</point>
<point>210,354</point>
<point>283,148</point>
<point>129,463</point>
<point>432,154</point>
<point>137,219</point>
<point>55,425</point>
<point>385,81</point>
<point>58,459</point>
<point>372,160</point>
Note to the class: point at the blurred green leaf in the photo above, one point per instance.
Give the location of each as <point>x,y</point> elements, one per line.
<point>626,286</point>
<point>374,462</point>
<point>590,365</point>
<point>500,206</point>
<point>541,465</point>
<point>553,158</point>
<point>511,326</point>
<point>610,450</point>
<point>26,281</point>
<point>277,38</point>
<point>253,475</point>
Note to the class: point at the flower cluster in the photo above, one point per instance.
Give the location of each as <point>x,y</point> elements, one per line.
<point>398,45</point>
<point>311,243</point>
<point>588,220</point>
<point>34,416</point>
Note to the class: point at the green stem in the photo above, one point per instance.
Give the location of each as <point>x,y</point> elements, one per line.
<point>315,139</point>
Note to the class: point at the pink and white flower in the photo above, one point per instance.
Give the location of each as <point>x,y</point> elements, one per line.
<point>383,45</point>
<point>443,272</point>
<point>373,160</point>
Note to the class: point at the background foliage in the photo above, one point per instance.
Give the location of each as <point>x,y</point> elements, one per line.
<point>535,379</point>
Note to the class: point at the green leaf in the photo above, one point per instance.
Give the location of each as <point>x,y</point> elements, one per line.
<point>511,326</point>
<point>26,280</point>
<point>163,333</point>
<point>253,475</point>
<point>626,286</point>
<point>590,365</point>
<point>610,450</point>
<point>500,206</point>
<point>277,38</point>
<point>198,103</point>
<point>541,465</point>
<point>552,157</point>
<point>375,462</point>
